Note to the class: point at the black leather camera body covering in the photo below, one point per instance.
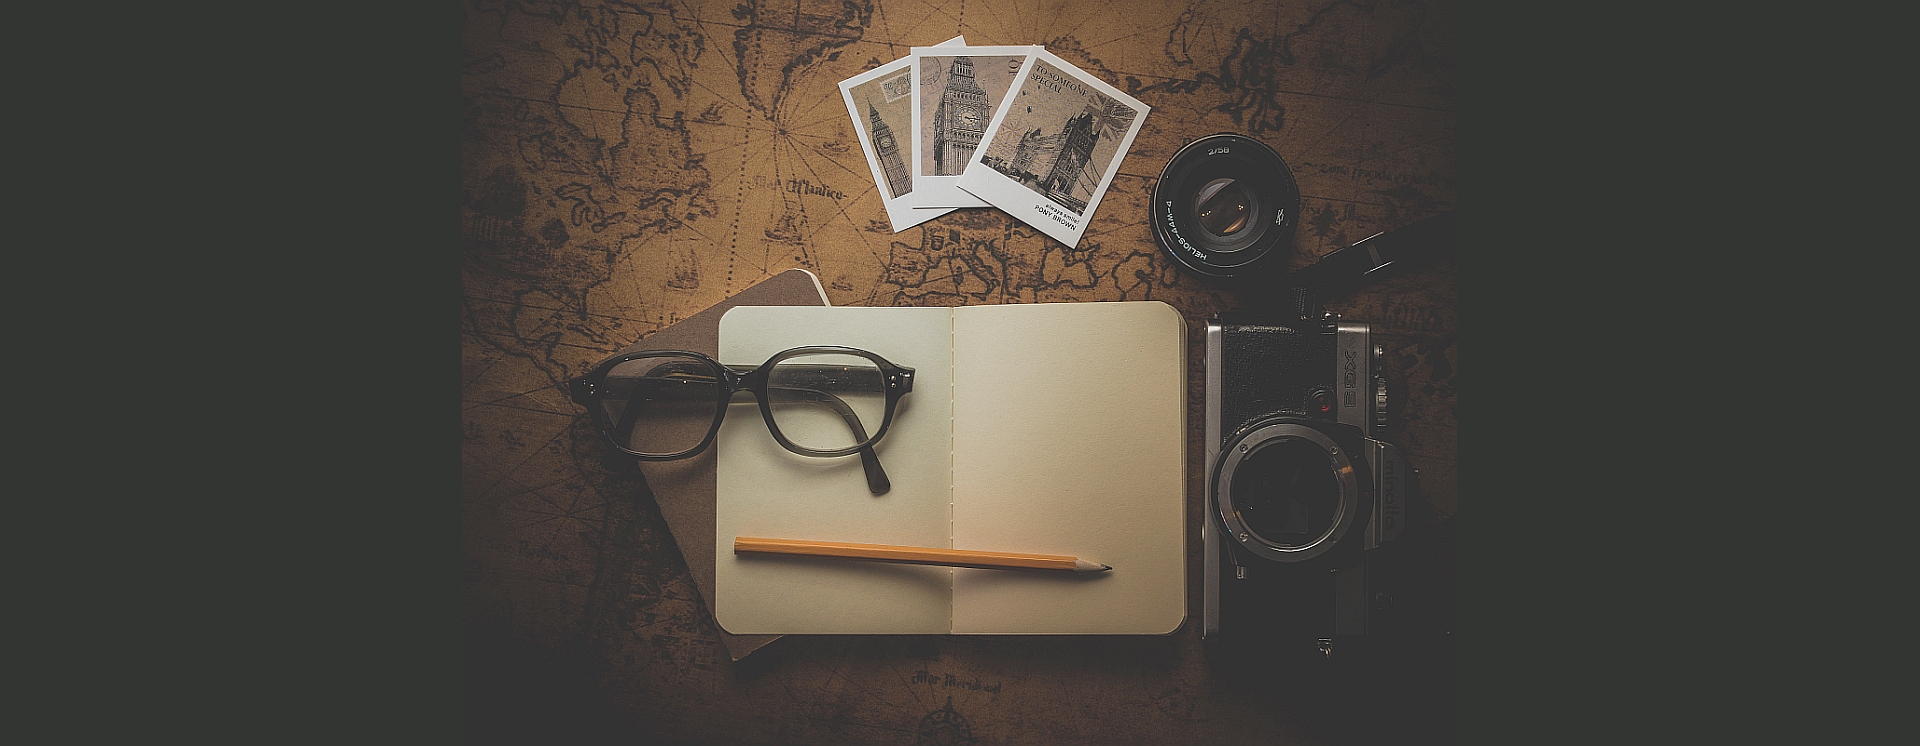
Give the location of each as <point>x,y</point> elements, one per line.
<point>1300,490</point>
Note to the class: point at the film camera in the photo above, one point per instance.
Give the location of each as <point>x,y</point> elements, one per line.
<point>1301,490</point>
<point>1304,497</point>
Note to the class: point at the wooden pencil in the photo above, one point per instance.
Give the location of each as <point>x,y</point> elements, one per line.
<point>919,555</point>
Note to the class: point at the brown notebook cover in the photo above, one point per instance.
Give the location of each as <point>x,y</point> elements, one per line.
<point>684,489</point>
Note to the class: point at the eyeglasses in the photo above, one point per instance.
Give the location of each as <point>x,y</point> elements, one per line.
<point>662,405</point>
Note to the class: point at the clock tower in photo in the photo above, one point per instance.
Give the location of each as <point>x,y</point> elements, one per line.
<point>960,120</point>
<point>888,151</point>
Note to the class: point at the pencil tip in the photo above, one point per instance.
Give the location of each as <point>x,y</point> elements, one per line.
<point>1105,567</point>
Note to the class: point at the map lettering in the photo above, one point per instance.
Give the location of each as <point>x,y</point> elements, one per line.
<point>800,186</point>
<point>951,681</point>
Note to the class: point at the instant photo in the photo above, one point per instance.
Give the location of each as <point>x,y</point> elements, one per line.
<point>1053,149</point>
<point>881,104</point>
<point>956,92</point>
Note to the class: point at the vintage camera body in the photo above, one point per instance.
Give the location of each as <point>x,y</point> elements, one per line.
<point>1301,492</point>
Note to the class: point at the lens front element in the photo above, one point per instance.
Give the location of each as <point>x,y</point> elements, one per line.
<point>1223,206</point>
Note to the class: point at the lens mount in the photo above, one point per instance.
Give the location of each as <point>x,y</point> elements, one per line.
<point>1226,205</point>
<point>1286,492</point>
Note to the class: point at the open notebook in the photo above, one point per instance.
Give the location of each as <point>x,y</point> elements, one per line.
<point>1056,428</point>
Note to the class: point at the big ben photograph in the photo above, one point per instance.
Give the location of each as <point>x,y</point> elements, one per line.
<point>880,104</point>
<point>956,92</point>
<point>956,119</point>
<point>887,151</point>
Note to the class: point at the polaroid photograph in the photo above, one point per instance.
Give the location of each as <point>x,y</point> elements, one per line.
<point>956,92</point>
<point>881,104</point>
<point>1053,149</point>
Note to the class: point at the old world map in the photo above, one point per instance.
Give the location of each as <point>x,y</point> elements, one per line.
<point>628,164</point>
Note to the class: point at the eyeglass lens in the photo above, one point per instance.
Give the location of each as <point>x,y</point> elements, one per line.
<point>661,405</point>
<point>826,401</point>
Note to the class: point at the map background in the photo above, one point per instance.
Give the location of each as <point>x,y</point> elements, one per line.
<point>628,164</point>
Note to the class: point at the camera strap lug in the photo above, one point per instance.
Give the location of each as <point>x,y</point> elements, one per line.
<point>1378,256</point>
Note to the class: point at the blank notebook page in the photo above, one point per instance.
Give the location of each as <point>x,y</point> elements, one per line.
<point>1070,438</point>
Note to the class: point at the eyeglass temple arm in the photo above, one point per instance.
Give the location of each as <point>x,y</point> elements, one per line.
<point>877,481</point>
<point>631,415</point>
<point>665,374</point>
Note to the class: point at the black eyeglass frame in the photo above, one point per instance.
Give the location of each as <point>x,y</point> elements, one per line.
<point>730,380</point>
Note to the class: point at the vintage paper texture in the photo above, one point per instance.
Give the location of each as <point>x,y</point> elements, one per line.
<point>955,94</point>
<point>881,104</point>
<point>1053,150</point>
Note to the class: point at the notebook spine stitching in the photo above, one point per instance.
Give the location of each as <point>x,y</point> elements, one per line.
<point>952,389</point>
<point>953,379</point>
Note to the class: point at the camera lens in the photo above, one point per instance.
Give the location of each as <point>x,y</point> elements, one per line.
<point>1226,205</point>
<point>1222,207</point>
<point>1287,493</point>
